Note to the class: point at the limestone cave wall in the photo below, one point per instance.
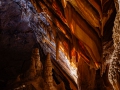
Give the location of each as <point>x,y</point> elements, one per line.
<point>59,45</point>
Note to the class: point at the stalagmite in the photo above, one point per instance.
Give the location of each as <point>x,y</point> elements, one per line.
<point>48,74</point>
<point>31,73</point>
<point>36,65</point>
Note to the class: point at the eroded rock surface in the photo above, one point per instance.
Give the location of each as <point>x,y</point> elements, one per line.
<point>16,37</point>
<point>20,25</point>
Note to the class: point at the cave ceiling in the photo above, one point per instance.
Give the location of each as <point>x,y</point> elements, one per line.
<point>80,25</point>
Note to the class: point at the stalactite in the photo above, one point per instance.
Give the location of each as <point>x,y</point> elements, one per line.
<point>64,3</point>
<point>66,44</point>
<point>75,43</point>
<point>73,55</point>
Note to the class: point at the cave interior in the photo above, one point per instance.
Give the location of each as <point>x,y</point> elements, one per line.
<point>59,44</point>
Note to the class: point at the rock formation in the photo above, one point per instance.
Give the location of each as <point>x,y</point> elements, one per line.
<point>114,67</point>
<point>48,77</point>
<point>36,65</point>
<point>35,78</point>
<point>76,33</point>
<point>48,74</point>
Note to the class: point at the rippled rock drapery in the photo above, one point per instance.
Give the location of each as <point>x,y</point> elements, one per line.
<point>94,48</point>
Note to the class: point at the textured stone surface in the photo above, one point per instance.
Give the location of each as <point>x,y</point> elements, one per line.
<point>16,38</point>
<point>68,32</point>
<point>20,25</point>
<point>114,68</point>
<point>34,78</point>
